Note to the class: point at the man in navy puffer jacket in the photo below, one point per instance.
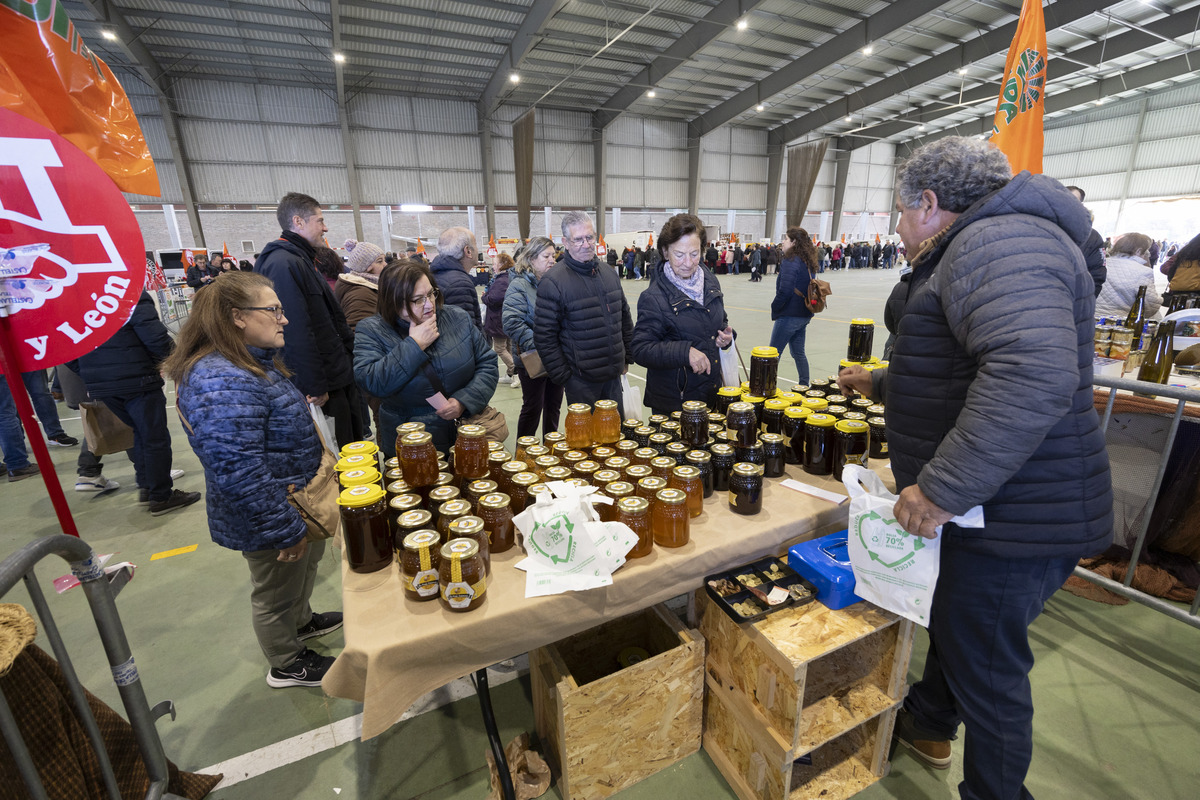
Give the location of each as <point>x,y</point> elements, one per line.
<point>457,252</point>
<point>989,402</point>
<point>583,329</point>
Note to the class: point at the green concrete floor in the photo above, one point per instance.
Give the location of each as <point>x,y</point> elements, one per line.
<point>1116,689</point>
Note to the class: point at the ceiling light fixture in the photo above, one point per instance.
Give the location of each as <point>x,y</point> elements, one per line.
<point>849,119</point>
<point>742,23</point>
<point>651,93</point>
<point>866,51</point>
<point>514,77</point>
<point>921,127</point>
<point>759,107</point>
<point>107,34</point>
<point>962,71</point>
<point>339,58</point>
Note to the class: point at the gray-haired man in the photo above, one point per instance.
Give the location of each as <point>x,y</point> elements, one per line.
<point>583,327</point>
<point>455,262</point>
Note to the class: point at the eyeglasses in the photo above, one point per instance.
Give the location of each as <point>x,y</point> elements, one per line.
<point>579,241</point>
<point>420,299</point>
<point>276,310</point>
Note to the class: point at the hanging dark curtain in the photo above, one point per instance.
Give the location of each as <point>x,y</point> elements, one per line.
<point>803,164</point>
<point>523,130</point>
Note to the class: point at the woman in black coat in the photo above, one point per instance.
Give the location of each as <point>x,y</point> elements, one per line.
<point>681,322</point>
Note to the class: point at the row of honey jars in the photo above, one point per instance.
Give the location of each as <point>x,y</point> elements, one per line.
<point>585,427</point>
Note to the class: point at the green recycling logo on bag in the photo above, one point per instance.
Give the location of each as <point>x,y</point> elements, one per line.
<point>886,541</point>
<point>553,538</point>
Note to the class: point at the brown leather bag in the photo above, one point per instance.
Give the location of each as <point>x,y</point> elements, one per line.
<point>317,500</point>
<point>814,298</point>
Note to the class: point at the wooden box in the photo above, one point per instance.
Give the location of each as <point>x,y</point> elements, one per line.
<point>803,684</point>
<point>604,727</point>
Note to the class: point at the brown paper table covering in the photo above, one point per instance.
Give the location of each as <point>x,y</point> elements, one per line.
<point>397,650</point>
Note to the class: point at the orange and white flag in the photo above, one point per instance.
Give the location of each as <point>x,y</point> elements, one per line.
<point>48,75</point>
<point>1017,128</point>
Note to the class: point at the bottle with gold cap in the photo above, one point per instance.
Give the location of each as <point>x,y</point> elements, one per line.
<point>606,422</point>
<point>366,533</point>
<point>418,459</point>
<point>471,527</point>
<point>764,371</point>
<point>670,519</point>
<point>420,557</point>
<point>635,513</point>
<point>578,426</point>
<point>495,510</point>
<point>819,440</point>
<point>852,445</point>
<point>461,576</point>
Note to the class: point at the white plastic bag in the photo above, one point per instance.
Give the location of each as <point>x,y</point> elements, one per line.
<point>729,366</point>
<point>892,568</point>
<point>631,399</point>
<point>324,428</point>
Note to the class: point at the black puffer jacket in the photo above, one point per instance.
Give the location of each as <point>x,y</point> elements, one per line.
<point>669,324</point>
<point>128,362</point>
<point>989,391</point>
<point>456,286</point>
<point>318,345</point>
<point>1093,256</point>
<point>583,327</point>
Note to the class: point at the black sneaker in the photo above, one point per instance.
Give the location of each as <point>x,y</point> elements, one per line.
<point>62,440</point>
<point>27,471</point>
<point>306,670</point>
<point>177,499</point>
<point>319,625</point>
<point>143,496</point>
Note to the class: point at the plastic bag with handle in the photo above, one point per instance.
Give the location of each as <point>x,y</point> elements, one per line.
<point>631,399</point>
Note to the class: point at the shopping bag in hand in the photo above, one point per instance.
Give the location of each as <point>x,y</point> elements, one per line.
<point>324,428</point>
<point>729,366</point>
<point>631,399</point>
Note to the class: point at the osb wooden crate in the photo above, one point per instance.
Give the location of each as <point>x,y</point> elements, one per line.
<point>795,682</point>
<point>603,727</point>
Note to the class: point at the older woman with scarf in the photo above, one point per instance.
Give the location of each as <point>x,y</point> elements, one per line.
<point>681,322</point>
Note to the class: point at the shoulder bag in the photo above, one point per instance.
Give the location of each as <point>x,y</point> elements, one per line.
<point>490,419</point>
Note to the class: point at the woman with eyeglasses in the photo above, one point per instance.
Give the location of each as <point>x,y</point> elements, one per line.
<point>540,396</point>
<point>427,362</point>
<point>250,427</point>
<point>681,322</point>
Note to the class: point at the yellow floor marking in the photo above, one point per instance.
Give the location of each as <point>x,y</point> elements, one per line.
<point>178,551</point>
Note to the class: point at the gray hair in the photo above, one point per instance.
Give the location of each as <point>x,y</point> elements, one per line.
<point>454,241</point>
<point>958,169</point>
<point>529,252</point>
<point>573,218</point>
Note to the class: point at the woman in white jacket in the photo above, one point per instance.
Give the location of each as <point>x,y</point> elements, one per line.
<point>1128,270</point>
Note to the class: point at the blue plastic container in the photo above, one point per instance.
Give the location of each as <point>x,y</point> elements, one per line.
<point>826,564</point>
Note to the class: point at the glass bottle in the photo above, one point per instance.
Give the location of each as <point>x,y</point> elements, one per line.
<point>741,425</point>
<point>418,459</point>
<point>793,434</point>
<point>661,466</point>
<point>851,446</point>
<point>366,533</point>
<point>688,480</point>
<point>725,396</point>
<point>642,456</point>
<point>745,488</point>
<point>401,504</point>
<point>818,444</point>
<point>635,472</point>
<point>603,477</point>
<point>441,495</point>
<point>602,452</point>
<point>625,447</point>
<point>578,426</point>
<point>722,464</point>
<point>405,429</point>
<point>1156,366</point>
<point>656,420</point>
<point>650,487</point>
<point>586,469</point>
<point>420,557</point>
<point>411,521</point>
<point>641,436</point>
<point>559,473</point>
<point>774,454</point>
<point>635,512</point>
<point>862,340</point>
<point>659,442</point>
<point>477,489</point>
<point>520,489</point>
<point>461,576</point>
<point>522,443</point>
<point>360,477</point>
<point>1135,320</point>
<point>606,422</point>
<point>573,457</point>
<point>510,468</point>
<point>670,518</point>
<point>764,371</point>
<point>678,451</point>
<point>471,527</point>
<point>772,416</point>
<point>702,461</point>
<point>448,513</point>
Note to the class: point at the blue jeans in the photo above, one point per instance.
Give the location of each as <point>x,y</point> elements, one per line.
<point>790,331</point>
<point>12,437</point>
<point>43,403</point>
<point>977,669</point>
<point>146,413</point>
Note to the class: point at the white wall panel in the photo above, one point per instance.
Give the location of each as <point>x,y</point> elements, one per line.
<point>714,194</point>
<point>751,168</point>
<point>216,100</point>
<point>1171,122</point>
<point>327,184</point>
<point>375,148</point>
<point>665,163</point>
<point>665,193</point>
<point>249,183</point>
<point>747,195</point>
<point>1175,152</point>
<point>625,130</point>
<point>205,140</point>
<point>666,133</point>
<point>292,144</point>
<point>381,111</point>
<point>443,116</point>
<point>168,184</point>
<point>625,161</point>
<point>296,105</point>
<point>628,193</point>
<point>1160,182</point>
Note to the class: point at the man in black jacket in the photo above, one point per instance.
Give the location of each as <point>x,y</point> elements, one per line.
<point>123,374</point>
<point>583,329</point>
<point>1093,249</point>
<point>201,274</point>
<point>318,345</point>
<point>454,269</point>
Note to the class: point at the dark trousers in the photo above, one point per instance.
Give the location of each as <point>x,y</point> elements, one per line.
<point>578,390</point>
<point>349,424</point>
<point>89,464</point>
<point>146,413</point>
<point>977,669</point>
<point>540,397</point>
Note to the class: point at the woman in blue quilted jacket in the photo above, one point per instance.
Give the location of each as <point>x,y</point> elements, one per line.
<point>427,362</point>
<point>250,427</point>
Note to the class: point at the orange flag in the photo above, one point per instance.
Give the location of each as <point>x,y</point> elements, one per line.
<point>225,251</point>
<point>48,75</point>
<point>1017,129</point>
<point>420,246</point>
<point>649,241</point>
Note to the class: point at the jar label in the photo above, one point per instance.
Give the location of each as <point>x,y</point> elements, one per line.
<point>859,459</point>
<point>461,593</point>
<point>883,447</point>
<point>425,583</point>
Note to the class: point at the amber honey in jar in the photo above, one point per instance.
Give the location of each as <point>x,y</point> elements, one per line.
<point>404,430</point>
<point>420,555</point>
<point>818,444</point>
<point>764,371</point>
<point>410,522</point>
<point>462,576</point>
<point>477,489</point>
<point>559,449</point>
<point>670,518</point>
<point>773,454</point>
<point>520,489</point>
<point>642,456</point>
<point>536,491</point>
<point>677,451</point>
<point>606,422</point>
<point>688,480</point>
<point>448,513</point>
<point>862,339</point>
<point>559,473</point>
<point>621,463</point>
<point>746,488</point>
<point>635,512</point>
<point>671,428</point>
<point>366,533</point>
<point>543,463</point>
<point>725,396</point>
<point>400,505</point>
<point>534,452</point>
<point>741,426</point>
<point>649,487</point>
<point>723,459</point>
<point>625,447</point>
<point>641,436</point>
<point>523,443</point>
<point>578,426</point>
<point>573,457</point>
<point>603,477</point>
<point>496,461</point>
<point>443,479</point>
<point>635,472</point>
<point>471,527</point>
<point>418,459</point>
<point>392,463</point>
<point>879,445</point>
<point>659,442</point>
<point>360,477</point>
<point>656,421</point>
<point>441,495</point>
<point>471,452</point>
<point>750,453</point>
<point>510,468</point>
<point>495,510</point>
<point>772,417</point>
<point>851,445</point>
<point>602,452</point>
<point>585,469</point>
<point>702,460</point>
<point>793,434</point>
<point>661,466</point>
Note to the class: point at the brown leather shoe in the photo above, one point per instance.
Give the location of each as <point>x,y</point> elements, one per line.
<point>934,752</point>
